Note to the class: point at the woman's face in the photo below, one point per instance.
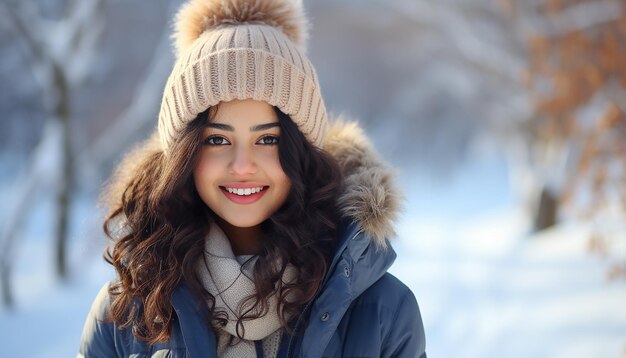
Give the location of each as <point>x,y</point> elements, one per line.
<point>238,173</point>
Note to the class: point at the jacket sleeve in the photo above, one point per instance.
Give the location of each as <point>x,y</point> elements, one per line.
<point>98,339</point>
<point>405,337</point>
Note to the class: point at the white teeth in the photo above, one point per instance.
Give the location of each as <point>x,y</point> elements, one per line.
<point>244,192</point>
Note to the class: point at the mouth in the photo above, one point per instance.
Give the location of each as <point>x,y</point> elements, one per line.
<point>244,195</point>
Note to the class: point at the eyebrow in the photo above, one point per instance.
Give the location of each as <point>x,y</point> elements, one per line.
<point>229,128</point>
<point>262,127</point>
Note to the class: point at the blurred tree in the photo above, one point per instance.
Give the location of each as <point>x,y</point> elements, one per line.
<point>546,79</point>
<point>121,124</point>
<point>391,69</point>
<point>59,52</point>
<point>577,77</point>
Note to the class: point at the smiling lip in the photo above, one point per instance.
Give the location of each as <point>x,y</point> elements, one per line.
<point>244,199</point>
<point>242,185</point>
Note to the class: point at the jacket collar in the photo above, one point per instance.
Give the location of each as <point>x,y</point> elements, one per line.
<point>368,204</point>
<point>192,316</point>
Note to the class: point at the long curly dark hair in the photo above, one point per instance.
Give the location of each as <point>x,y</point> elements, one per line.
<point>157,223</point>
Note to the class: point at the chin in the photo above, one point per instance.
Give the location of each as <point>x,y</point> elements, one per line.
<point>243,223</point>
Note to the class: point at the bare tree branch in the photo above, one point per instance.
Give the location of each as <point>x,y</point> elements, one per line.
<point>483,56</point>
<point>38,174</point>
<point>137,114</point>
<point>87,35</point>
<point>35,48</point>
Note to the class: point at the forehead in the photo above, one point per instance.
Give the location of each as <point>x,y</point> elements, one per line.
<point>245,112</point>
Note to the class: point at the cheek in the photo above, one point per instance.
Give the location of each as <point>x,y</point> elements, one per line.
<point>283,180</point>
<point>272,166</point>
<point>273,169</point>
<point>204,170</point>
<point>285,187</point>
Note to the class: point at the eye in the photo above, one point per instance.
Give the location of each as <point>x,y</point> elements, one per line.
<point>268,140</point>
<point>215,140</point>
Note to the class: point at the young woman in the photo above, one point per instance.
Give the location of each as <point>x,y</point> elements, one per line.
<point>250,225</point>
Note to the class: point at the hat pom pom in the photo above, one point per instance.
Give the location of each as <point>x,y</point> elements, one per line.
<point>197,16</point>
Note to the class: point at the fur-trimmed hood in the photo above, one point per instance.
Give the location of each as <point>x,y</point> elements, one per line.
<point>370,197</point>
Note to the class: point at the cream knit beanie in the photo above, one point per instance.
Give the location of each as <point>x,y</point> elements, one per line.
<point>241,49</point>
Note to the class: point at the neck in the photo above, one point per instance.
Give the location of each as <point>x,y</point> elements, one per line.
<point>243,240</point>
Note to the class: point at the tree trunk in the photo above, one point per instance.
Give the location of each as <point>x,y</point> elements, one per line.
<point>7,293</point>
<point>547,211</point>
<point>66,178</point>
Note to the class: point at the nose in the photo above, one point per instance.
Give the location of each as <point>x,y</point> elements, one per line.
<point>243,162</point>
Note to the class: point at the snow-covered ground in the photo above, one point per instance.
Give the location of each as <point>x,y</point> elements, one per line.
<point>484,287</point>
<point>485,291</point>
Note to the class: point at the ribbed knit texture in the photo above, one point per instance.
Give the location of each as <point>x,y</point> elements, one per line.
<point>242,61</point>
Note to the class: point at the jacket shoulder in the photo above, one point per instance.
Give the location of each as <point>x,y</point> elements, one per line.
<point>97,339</point>
<point>386,319</point>
<point>387,290</point>
<point>103,338</point>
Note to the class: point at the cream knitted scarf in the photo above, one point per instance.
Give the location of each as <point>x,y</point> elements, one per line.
<point>229,279</point>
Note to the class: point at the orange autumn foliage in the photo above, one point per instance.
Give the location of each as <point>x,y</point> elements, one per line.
<point>580,65</point>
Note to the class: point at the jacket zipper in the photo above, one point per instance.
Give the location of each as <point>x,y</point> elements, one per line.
<point>295,329</point>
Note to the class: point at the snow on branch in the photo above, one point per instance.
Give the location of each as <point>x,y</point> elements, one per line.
<point>21,15</point>
<point>28,25</point>
<point>82,29</point>
<point>146,98</point>
<point>464,35</point>
<point>577,17</point>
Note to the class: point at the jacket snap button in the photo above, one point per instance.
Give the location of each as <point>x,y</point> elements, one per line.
<point>325,316</point>
<point>346,271</point>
